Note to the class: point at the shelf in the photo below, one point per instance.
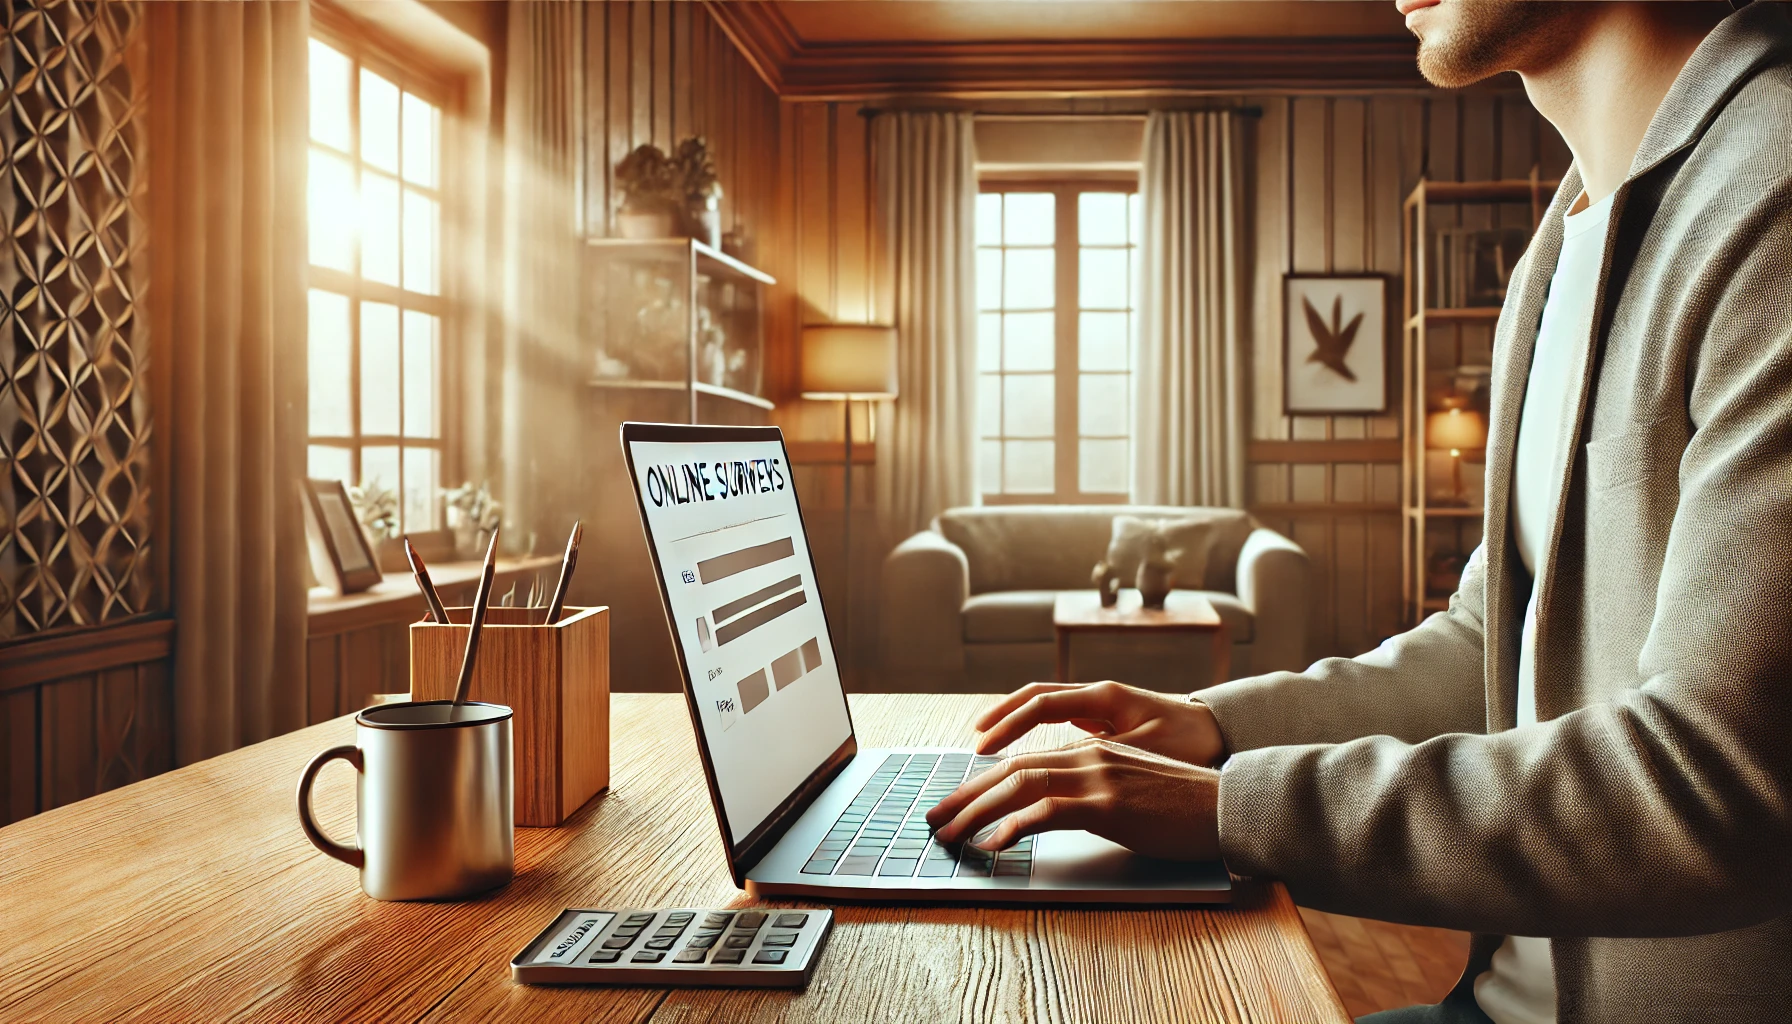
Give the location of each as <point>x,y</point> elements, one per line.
<point>1435,604</point>
<point>1459,315</point>
<point>1445,512</point>
<point>1516,190</point>
<point>701,248</point>
<point>702,388</point>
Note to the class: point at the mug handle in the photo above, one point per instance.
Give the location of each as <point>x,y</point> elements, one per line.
<point>352,856</point>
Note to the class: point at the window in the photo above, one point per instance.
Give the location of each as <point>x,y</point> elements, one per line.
<point>375,223</point>
<point>1056,267</point>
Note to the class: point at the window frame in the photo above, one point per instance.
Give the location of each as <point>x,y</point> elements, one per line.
<point>413,70</point>
<point>1066,354</point>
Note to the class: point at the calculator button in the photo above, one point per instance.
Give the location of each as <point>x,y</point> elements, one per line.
<point>770,956</point>
<point>681,917</point>
<point>749,921</point>
<point>781,939</point>
<point>639,919</point>
<point>605,956</point>
<point>738,941</point>
<point>701,942</point>
<point>790,921</point>
<point>690,956</point>
<point>728,956</point>
<point>665,943</point>
<point>618,941</point>
<point>668,933</point>
<point>649,956</point>
<point>717,920</point>
<point>626,932</point>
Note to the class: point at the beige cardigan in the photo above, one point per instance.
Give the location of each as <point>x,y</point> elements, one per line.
<point>1646,825</point>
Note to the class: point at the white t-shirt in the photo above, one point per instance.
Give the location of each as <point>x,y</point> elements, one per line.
<point>1519,987</point>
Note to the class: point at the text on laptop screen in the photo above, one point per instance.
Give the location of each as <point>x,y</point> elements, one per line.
<point>723,519</point>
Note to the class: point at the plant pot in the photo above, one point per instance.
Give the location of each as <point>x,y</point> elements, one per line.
<point>646,224</point>
<point>1154,580</point>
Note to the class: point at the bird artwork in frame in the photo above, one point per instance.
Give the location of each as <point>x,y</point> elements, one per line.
<point>1334,343</point>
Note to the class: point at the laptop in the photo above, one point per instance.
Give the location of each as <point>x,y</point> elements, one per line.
<point>803,809</point>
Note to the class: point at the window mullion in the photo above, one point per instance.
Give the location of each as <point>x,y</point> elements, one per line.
<point>1066,481</point>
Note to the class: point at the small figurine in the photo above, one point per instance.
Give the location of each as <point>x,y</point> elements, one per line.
<point>1157,573</point>
<point>1107,584</point>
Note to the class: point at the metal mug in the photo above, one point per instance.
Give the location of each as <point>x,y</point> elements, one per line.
<point>434,813</point>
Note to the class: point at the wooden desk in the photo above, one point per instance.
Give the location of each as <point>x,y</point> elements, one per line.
<point>1081,611</point>
<point>193,896</point>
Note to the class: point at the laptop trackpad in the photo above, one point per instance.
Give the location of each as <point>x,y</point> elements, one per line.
<point>1080,858</point>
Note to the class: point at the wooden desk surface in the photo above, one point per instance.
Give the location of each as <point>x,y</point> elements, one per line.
<point>194,896</point>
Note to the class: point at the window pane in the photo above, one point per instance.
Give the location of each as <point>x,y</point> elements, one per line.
<point>422,216</point>
<point>1102,467</point>
<point>1028,341</point>
<point>422,374</point>
<point>379,468</point>
<point>330,211</point>
<point>1027,467</point>
<point>422,123</point>
<point>1101,218</point>
<point>1030,218</point>
<point>989,467</point>
<point>989,341</point>
<point>379,228</point>
<point>330,71</point>
<point>1101,404</point>
<point>1103,342</point>
<point>327,346</point>
<point>1028,283</point>
<point>379,371</point>
<point>422,471</point>
<point>1135,212</point>
<point>989,218</point>
<point>989,279</point>
<point>1102,283</point>
<point>989,405</point>
<point>379,121</point>
<point>1027,405</point>
<point>330,463</point>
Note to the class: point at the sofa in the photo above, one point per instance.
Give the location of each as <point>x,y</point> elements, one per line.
<point>966,606</point>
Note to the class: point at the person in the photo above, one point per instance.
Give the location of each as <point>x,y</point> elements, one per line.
<point>1586,759</point>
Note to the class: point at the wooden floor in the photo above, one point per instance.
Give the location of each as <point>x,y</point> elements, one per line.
<point>1380,966</point>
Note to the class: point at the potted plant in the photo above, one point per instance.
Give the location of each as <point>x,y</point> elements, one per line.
<point>702,190</point>
<point>649,193</point>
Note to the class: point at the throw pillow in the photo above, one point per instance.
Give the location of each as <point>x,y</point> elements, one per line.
<point>1186,541</point>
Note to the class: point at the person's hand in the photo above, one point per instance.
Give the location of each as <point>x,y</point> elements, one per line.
<point>1146,803</point>
<point>1163,723</point>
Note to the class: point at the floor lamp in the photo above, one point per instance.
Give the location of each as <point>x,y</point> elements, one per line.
<point>845,363</point>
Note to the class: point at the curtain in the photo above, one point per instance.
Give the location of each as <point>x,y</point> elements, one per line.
<point>543,374</point>
<point>925,166</point>
<point>227,252</point>
<point>1188,412</point>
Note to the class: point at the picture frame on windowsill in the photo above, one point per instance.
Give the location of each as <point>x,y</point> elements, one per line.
<point>341,557</point>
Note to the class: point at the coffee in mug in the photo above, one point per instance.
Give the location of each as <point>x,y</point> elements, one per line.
<point>433,819</point>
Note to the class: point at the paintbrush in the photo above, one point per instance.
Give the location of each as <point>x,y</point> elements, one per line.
<point>436,612</point>
<point>567,563</point>
<point>481,600</point>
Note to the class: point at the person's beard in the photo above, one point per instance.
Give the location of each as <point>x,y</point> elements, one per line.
<point>1471,40</point>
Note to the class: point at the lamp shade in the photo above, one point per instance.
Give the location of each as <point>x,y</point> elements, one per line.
<point>1455,429</point>
<point>849,361</point>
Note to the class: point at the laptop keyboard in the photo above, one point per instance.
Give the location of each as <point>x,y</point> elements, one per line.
<point>884,831</point>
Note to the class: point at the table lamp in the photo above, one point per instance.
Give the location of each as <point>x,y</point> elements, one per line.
<point>1456,430</point>
<point>845,363</point>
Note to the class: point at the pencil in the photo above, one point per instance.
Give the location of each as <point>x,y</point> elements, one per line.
<point>481,600</point>
<point>567,563</point>
<point>436,612</point>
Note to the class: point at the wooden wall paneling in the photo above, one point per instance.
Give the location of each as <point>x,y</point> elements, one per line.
<point>1310,207</point>
<point>682,72</point>
<point>1273,232</point>
<point>152,740</point>
<point>598,161</point>
<point>66,740</point>
<point>19,765</point>
<point>115,711</point>
<point>1351,582</point>
<point>616,103</point>
<point>660,94</point>
<point>1351,228</point>
<point>640,79</point>
<point>848,181</point>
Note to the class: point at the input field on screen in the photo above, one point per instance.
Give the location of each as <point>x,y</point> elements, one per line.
<point>760,596</point>
<point>725,565</point>
<point>759,617</point>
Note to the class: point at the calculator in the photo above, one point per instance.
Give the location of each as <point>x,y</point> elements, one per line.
<point>683,946</point>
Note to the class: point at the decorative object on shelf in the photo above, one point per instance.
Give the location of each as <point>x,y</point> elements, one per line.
<point>1443,571</point>
<point>376,508</point>
<point>1472,266</point>
<point>845,363</point>
<point>649,194</point>
<point>1157,573</point>
<point>340,554</point>
<point>472,515</point>
<point>1107,583</point>
<point>702,189</point>
<point>1455,429</point>
<point>1334,343</point>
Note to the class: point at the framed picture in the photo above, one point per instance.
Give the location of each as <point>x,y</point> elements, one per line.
<point>340,554</point>
<point>1334,343</point>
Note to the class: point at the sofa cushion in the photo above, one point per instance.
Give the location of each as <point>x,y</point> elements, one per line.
<point>1009,616</point>
<point>1025,616</point>
<point>1184,541</point>
<point>1053,547</point>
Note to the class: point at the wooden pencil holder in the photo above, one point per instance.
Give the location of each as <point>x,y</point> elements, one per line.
<point>556,681</point>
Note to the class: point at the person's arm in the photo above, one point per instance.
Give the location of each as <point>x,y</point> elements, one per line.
<point>1662,811</point>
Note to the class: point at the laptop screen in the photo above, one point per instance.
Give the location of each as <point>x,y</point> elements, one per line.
<point>722,519</point>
